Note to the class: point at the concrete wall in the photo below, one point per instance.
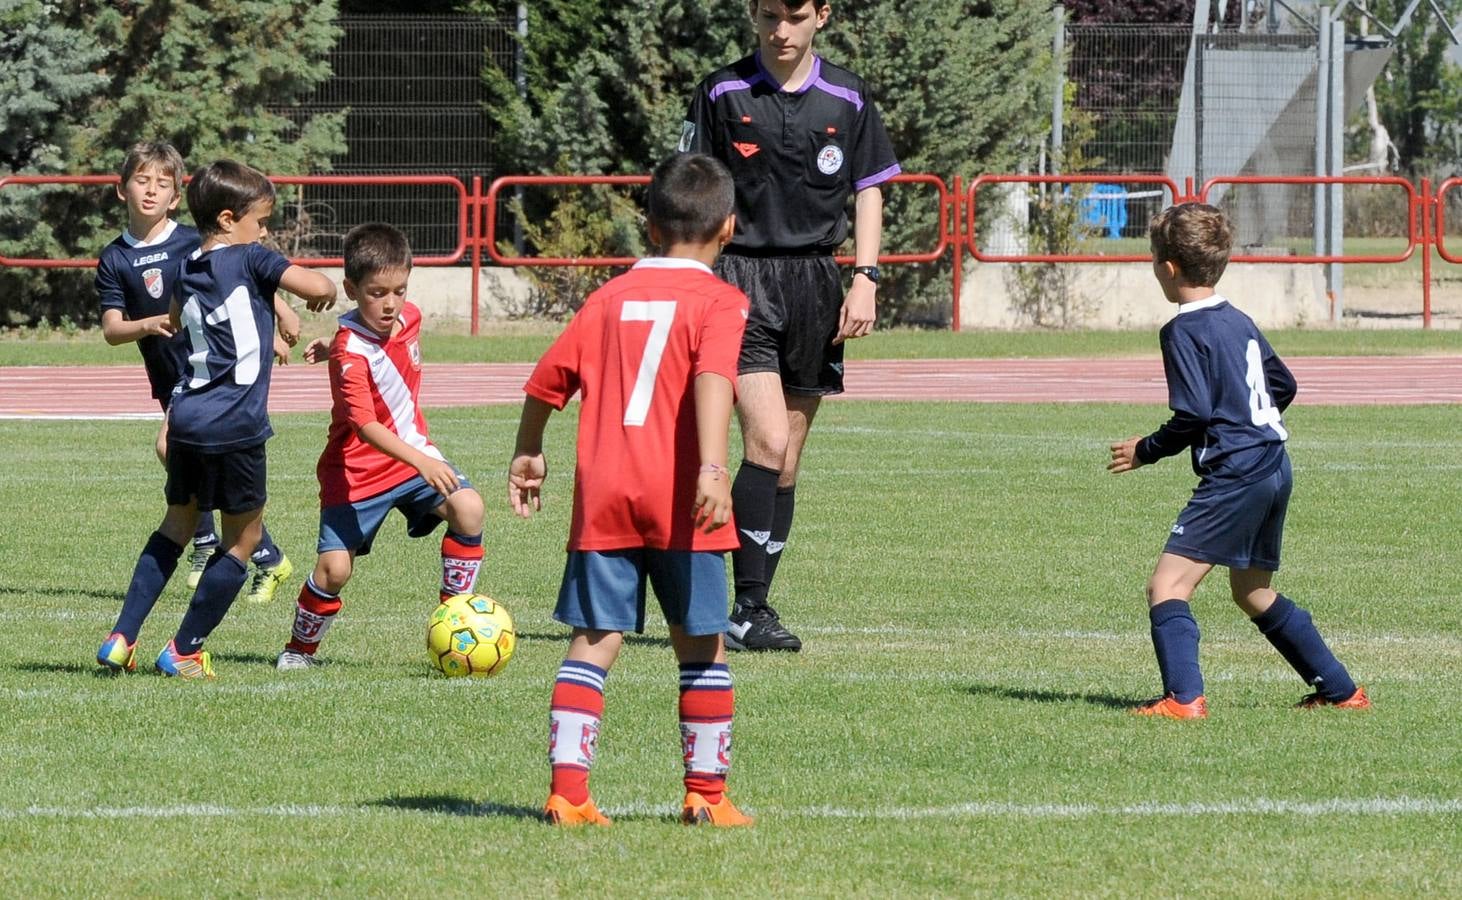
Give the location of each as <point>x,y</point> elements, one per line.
<point>1125,295</point>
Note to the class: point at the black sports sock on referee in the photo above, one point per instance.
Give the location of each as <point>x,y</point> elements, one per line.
<point>754,500</point>
<point>786,504</point>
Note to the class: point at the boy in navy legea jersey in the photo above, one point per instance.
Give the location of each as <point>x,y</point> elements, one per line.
<point>217,421</point>
<point>1227,389</point>
<point>134,280</point>
<point>652,354</point>
<point>378,456</point>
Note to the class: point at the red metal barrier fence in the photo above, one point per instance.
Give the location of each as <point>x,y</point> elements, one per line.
<point>958,230</point>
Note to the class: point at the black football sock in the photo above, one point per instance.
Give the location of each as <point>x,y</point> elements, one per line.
<point>786,504</point>
<point>1290,629</point>
<point>753,499</point>
<point>1175,638</point>
<point>267,553</point>
<point>154,567</point>
<point>215,594</point>
<point>205,535</point>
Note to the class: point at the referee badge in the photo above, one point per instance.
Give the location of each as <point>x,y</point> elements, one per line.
<point>830,160</point>
<point>687,135</point>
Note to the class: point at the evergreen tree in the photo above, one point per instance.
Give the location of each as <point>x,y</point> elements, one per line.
<point>44,76</point>
<point>214,78</point>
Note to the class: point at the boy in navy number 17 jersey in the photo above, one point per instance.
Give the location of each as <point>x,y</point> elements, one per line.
<point>135,277</point>
<point>218,423</point>
<point>1227,389</point>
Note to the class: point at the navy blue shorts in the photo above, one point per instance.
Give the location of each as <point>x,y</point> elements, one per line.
<point>353,526</point>
<point>1240,528</point>
<point>796,302</point>
<point>230,482</point>
<point>605,589</point>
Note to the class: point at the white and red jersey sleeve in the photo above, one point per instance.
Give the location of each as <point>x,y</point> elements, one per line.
<point>633,353</point>
<point>372,379</point>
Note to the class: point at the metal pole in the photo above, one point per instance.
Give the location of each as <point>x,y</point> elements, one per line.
<point>1322,126</point>
<point>1058,103</point>
<point>520,76</point>
<point>1198,41</point>
<point>1337,161</point>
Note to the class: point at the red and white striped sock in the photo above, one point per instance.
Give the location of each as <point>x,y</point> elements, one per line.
<point>314,611</point>
<point>461,560</point>
<point>707,704</point>
<point>573,728</point>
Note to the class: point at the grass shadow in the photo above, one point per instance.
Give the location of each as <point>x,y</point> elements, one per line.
<point>1029,695</point>
<point>109,596</point>
<point>447,805</point>
<point>64,668</point>
<point>638,640</point>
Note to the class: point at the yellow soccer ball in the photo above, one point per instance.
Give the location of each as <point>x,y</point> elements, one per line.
<point>470,634</point>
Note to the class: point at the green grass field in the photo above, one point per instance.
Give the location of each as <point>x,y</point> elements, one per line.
<point>968,580</point>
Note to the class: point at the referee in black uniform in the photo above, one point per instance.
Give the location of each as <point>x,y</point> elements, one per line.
<point>799,135</point>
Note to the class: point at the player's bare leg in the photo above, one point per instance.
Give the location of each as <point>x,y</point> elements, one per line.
<point>1175,638</point>
<point>574,714</point>
<point>1291,631</point>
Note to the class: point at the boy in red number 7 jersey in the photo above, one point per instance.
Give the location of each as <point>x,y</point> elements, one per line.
<point>653,355</point>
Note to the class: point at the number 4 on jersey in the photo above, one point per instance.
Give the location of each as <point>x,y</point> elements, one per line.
<point>660,314</point>
<point>1262,410</point>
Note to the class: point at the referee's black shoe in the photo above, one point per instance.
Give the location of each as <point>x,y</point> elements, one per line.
<point>758,628</point>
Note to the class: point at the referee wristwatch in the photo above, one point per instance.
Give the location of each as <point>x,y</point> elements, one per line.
<point>869,272</point>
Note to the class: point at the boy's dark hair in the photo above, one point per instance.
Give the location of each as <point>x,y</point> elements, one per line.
<point>154,153</point>
<point>225,185</point>
<point>375,247</point>
<point>1195,236</point>
<point>691,195</point>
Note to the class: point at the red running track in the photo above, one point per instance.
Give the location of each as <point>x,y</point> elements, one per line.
<point>121,391</point>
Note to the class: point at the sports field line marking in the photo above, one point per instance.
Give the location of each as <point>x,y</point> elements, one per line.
<point>1338,806</point>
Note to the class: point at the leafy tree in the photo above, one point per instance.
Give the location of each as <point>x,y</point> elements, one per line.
<point>216,79</point>
<point>44,75</point>
<point>1417,93</point>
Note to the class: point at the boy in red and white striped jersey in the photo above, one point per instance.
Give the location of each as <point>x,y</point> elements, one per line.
<point>378,457</point>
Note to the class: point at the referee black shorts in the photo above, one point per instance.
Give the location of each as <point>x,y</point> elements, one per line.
<point>795,305</point>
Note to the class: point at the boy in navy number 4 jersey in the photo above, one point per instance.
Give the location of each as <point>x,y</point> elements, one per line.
<point>1227,389</point>
<point>217,422</point>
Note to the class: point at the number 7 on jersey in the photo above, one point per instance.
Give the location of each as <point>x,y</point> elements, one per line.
<point>660,314</point>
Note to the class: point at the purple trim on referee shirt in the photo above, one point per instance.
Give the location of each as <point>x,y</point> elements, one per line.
<point>725,87</point>
<point>812,76</point>
<point>876,178</point>
<point>841,93</point>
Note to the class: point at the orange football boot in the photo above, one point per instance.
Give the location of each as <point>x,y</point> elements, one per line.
<point>559,811</point>
<point>1358,700</point>
<point>698,811</point>
<point>1168,707</point>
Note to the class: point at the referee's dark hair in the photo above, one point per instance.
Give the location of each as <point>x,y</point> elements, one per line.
<point>225,185</point>
<point>691,195</point>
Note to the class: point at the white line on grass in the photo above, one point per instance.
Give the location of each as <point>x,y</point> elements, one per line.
<point>91,417</point>
<point>1338,806</point>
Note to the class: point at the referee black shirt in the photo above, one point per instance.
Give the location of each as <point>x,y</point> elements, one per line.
<point>795,155</point>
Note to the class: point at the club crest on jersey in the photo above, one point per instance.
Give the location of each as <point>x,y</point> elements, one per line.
<point>415,350</point>
<point>687,135</point>
<point>152,280</point>
<point>830,160</point>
